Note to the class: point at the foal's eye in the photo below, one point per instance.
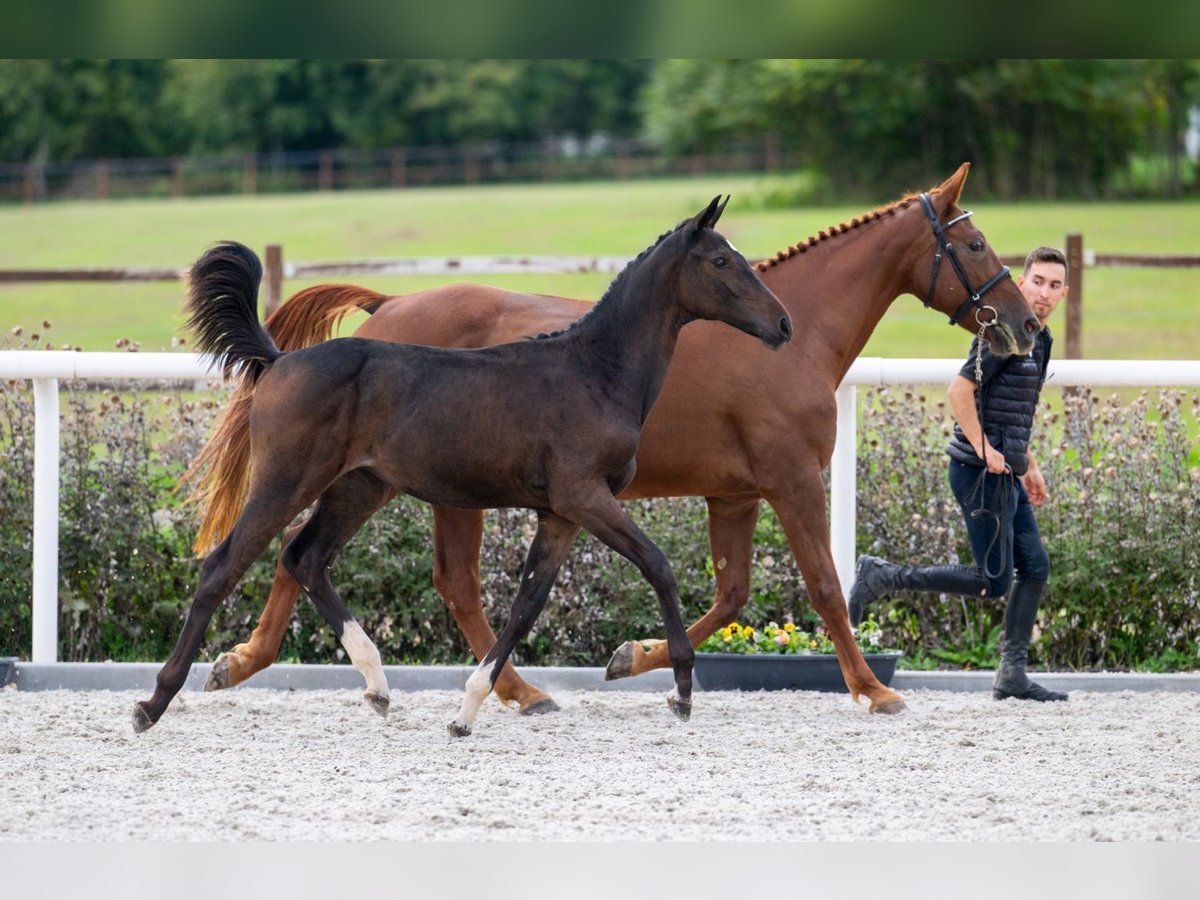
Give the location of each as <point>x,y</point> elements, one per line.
<point>719,262</point>
<point>976,244</point>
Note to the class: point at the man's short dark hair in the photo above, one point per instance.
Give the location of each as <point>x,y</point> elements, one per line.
<point>1046,254</point>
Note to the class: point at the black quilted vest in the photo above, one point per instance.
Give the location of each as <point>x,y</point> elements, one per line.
<point>1007,402</point>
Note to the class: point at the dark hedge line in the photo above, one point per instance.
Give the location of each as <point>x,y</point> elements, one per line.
<point>1124,483</point>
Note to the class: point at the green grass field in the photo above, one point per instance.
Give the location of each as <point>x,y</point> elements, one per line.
<point>1128,313</point>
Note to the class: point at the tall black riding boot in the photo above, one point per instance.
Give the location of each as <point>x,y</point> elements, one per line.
<point>1019,615</point>
<point>874,577</point>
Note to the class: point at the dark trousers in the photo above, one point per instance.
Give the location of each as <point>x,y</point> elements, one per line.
<point>1020,541</point>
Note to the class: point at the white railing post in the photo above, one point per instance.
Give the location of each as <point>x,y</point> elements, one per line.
<point>45,520</point>
<point>843,485</point>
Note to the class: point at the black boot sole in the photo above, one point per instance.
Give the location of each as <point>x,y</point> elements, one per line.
<point>1034,692</point>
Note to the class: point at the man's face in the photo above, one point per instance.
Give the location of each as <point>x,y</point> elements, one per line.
<point>1044,285</point>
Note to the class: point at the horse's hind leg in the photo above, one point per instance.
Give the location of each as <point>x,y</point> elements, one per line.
<point>234,666</point>
<point>549,549</point>
<point>343,508</point>
<point>261,520</point>
<point>731,538</point>
<point>457,536</point>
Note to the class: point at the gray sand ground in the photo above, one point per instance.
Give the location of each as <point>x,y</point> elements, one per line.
<point>255,764</point>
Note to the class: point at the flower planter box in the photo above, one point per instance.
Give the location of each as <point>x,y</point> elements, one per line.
<point>783,672</point>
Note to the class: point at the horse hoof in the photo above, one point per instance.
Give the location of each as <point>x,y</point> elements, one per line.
<point>379,702</point>
<point>540,707</point>
<point>681,708</point>
<point>457,730</point>
<point>218,676</point>
<point>141,718</point>
<point>889,707</point>
<point>621,663</point>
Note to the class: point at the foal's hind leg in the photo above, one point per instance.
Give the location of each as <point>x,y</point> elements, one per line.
<point>731,538</point>
<point>261,520</point>
<point>234,666</point>
<point>342,509</point>
<point>550,547</point>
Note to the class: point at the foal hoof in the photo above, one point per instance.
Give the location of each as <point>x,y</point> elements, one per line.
<point>889,707</point>
<point>379,702</point>
<point>621,663</point>
<point>681,708</point>
<point>540,707</point>
<point>218,676</point>
<point>457,730</point>
<point>141,718</point>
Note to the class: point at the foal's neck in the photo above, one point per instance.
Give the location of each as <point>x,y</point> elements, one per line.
<point>630,336</point>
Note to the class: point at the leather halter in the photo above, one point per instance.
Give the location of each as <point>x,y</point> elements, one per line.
<point>974,297</point>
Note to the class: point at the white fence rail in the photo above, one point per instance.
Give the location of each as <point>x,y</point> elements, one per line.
<point>47,368</point>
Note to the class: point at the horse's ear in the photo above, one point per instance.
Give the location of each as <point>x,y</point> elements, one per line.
<point>951,188</point>
<point>707,216</point>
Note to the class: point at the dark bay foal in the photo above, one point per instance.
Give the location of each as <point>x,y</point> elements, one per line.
<point>550,424</point>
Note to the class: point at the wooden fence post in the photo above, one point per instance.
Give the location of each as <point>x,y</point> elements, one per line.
<point>399,168</point>
<point>274,279</point>
<point>176,177</point>
<point>249,174</point>
<point>325,171</point>
<point>102,180</point>
<point>1075,298</point>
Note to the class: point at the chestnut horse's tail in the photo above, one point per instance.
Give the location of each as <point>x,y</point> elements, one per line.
<point>220,474</point>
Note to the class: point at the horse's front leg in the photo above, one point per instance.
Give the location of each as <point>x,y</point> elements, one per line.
<point>457,537</point>
<point>549,549</point>
<point>801,511</point>
<point>731,538</point>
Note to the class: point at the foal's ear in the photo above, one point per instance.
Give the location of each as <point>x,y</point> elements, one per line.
<point>708,216</point>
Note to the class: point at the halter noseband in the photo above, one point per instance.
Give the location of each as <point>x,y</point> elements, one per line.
<point>974,297</point>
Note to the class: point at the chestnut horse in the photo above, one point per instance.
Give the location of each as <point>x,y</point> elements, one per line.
<point>705,437</point>
<point>550,425</point>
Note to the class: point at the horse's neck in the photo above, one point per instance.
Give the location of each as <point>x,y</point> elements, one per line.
<point>838,289</point>
<point>630,336</point>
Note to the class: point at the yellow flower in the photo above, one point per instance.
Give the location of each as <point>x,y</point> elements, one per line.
<point>788,626</point>
<point>748,632</point>
<point>812,644</point>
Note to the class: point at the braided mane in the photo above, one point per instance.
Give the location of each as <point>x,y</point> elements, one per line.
<point>857,222</point>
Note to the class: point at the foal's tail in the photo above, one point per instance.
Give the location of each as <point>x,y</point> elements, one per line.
<point>223,311</point>
<point>220,474</point>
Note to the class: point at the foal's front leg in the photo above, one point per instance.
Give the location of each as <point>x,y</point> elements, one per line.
<point>549,549</point>
<point>731,539</point>
<point>607,522</point>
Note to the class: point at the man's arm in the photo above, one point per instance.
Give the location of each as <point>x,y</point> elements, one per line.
<point>1035,484</point>
<point>962,405</point>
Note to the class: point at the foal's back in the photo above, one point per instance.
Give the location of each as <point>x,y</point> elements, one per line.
<point>497,426</point>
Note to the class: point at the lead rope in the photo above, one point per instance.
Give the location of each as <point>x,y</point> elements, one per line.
<point>1002,497</point>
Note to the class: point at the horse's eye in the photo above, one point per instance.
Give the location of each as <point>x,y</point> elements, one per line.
<point>719,262</point>
<point>976,245</point>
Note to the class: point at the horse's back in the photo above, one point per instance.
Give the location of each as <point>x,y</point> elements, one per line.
<point>469,315</point>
